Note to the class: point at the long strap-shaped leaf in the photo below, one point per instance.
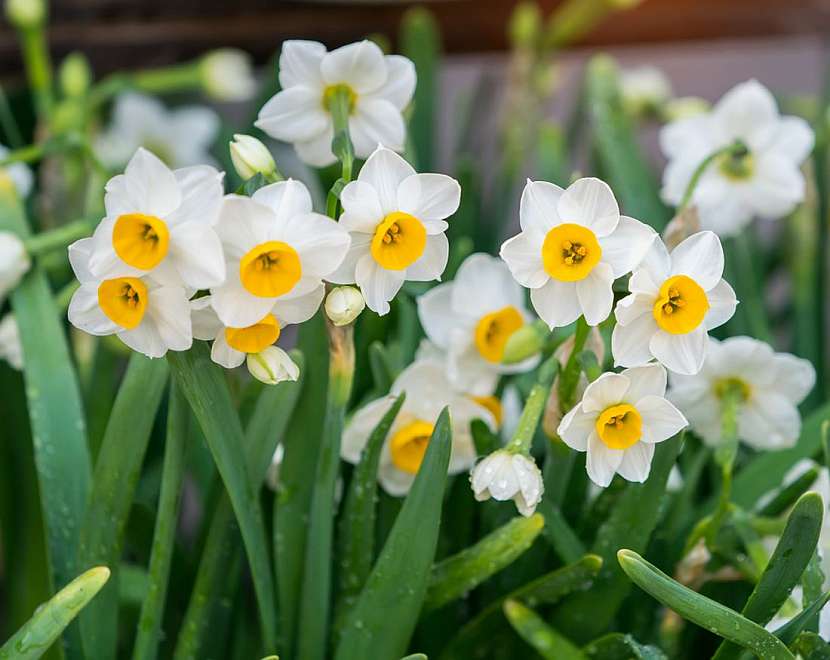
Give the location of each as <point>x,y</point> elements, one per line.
<point>547,641</point>
<point>116,475</point>
<point>618,645</point>
<point>701,610</point>
<point>55,411</point>
<point>785,567</point>
<point>382,620</point>
<point>203,383</point>
<point>51,618</point>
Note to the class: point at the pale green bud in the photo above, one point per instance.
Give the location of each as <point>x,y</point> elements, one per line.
<point>75,75</point>
<point>227,75</point>
<point>272,365</point>
<point>344,304</point>
<point>526,342</point>
<point>250,157</point>
<point>25,14</point>
<point>685,106</point>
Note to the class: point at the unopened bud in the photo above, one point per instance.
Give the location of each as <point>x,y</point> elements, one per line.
<point>227,75</point>
<point>25,14</point>
<point>272,365</point>
<point>645,90</point>
<point>75,75</point>
<point>526,342</point>
<point>685,106</point>
<point>250,157</point>
<point>344,304</point>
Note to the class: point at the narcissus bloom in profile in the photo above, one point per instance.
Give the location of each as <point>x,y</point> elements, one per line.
<point>573,245</point>
<point>762,179</point>
<point>396,219</point>
<point>675,300</point>
<point>768,387</point>
<point>161,222</point>
<point>505,475</point>
<point>278,251</point>
<point>378,88</point>
<point>471,318</point>
<point>619,420</point>
<point>149,315</point>
<point>427,392</point>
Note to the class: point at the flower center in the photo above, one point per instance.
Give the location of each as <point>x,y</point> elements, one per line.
<point>270,269</point>
<point>409,445</point>
<point>255,337</point>
<point>619,426</point>
<point>733,387</point>
<point>494,329</point>
<point>331,92</point>
<point>681,305</point>
<point>141,241</point>
<point>737,164</point>
<point>123,300</point>
<point>570,252</point>
<point>399,241</point>
<point>492,404</point>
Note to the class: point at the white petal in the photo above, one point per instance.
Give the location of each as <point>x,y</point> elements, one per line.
<point>243,224</point>
<point>653,271</point>
<point>590,202</point>
<point>361,207</point>
<point>523,256</point>
<point>556,303</point>
<point>769,421</point>
<point>630,342</point>
<point>484,284</point>
<point>777,186</point>
<point>681,353</point>
<point>636,462</point>
<point>394,481</point>
<point>596,297</point>
<point>436,314</point>
<point>747,112</point>
<point>286,198</point>
<point>794,376</point>
<point>431,264</point>
<point>300,62</point>
<point>85,314</point>
<point>193,131</point>
<point>576,427</point>
<point>320,241</point>
<point>79,254</point>
<point>299,309</point>
<point>680,137</point>
<point>376,121</point>
<point>359,65</point>
<point>538,209</point>
<point>722,304</point>
<point>384,170</point>
<point>377,284</point>
<point>602,462</point>
<point>649,380</point>
<point>469,372</point>
<point>317,151</point>
<point>223,355</point>
<point>360,427</point>
<point>202,190</point>
<point>293,115</point>
<point>203,318</point>
<point>235,306</point>
<point>626,247</point>
<point>607,390</point>
<point>429,196</point>
<point>196,253</point>
<point>400,82</point>
<point>700,257</point>
<point>632,307</point>
<point>794,139</point>
<point>170,312</point>
<point>345,273</point>
<point>147,186</point>
<point>661,420</point>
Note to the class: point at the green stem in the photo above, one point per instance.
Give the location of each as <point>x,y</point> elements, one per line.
<point>38,68</point>
<point>725,458</point>
<point>340,105</point>
<point>570,374</point>
<point>58,238</point>
<point>34,152</point>
<point>167,80</point>
<point>736,148</point>
<point>534,406</point>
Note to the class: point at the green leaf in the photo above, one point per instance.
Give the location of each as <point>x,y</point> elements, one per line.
<point>790,630</point>
<point>809,646</point>
<point>250,186</point>
<point>164,535</point>
<point>789,493</point>
<point>478,637</point>
<point>616,646</point>
<point>116,475</point>
<point>382,620</point>
<point>50,619</point>
<point>484,439</point>
<point>785,567</point>
<point>381,364</point>
<point>203,383</point>
<point>547,641</point>
<point>700,610</point>
<point>559,533</point>
<point>459,574</point>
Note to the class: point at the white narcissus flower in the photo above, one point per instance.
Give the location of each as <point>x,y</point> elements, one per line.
<point>148,315</point>
<point>180,137</point>
<point>396,219</point>
<point>161,222</point>
<point>19,173</point>
<point>675,300</point>
<point>644,89</point>
<point>427,392</point>
<point>278,251</point>
<point>573,245</point>
<point>227,75</point>
<point>14,262</point>
<point>504,475</point>
<point>11,350</point>
<point>619,420</point>
<point>379,88</point>
<point>272,365</point>
<point>765,180</point>
<point>769,387</point>
<point>471,318</point>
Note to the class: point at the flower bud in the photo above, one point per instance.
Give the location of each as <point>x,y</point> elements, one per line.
<point>14,262</point>
<point>75,75</point>
<point>227,75</point>
<point>525,25</point>
<point>685,106</point>
<point>272,365</point>
<point>10,348</point>
<point>504,475</point>
<point>525,342</point>
<point>25,14</point>
<point>250,157</point>
<point>645,90</point>
<point>344,304</point>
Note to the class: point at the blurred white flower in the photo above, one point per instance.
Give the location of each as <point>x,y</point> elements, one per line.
<point>25,14</point>
<point>504,475</point>
<point>227,75</point>
<point>675,300</point>
<point>14,262</point>
<point>771,386</point>
<point>162,222</point>
<point>19,173</point>
<point>379,88</point>
<point>180,137</point>
<point>427,392</point>
<point>250,157</point>
<point>471,318</point>
<point>344,304</point>
<point>148,315</point>
<point>645,89</point>
<point>278,251</point>
<point>573,245</point>
<point>396,219</point>
<point>272,365</point>
<point>11,349</point>
<point>764,180</point>
<point>619,420</point>
<point>684,107</point>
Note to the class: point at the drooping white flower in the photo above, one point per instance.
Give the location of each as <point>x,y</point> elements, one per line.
<point>765,180</point>
<point>769,387</point>
<point>619,420</point>
<point>11,350</point>
<point>272,365</point>
<point>250,157</point>
<point>14,262</point>
<point>344,304</point>
<point>149,315</point>
<point>504,475</point>
<point>675,300</point>
<point>180,137</point>
<point>396,219</point>
<point>573,245</point>
<point>379,88</point>
<point>277,250</point>
<point>644,89</point>
<point>161,222</point>
<point>227,75</point>
<point>471,318</point>
<point>19,173</point>
<point>427,392</point>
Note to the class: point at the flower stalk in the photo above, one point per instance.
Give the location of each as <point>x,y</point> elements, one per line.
<point>57,238</point>
<point>570,373</point>
<point>534,406</point>
<point>734,150</point>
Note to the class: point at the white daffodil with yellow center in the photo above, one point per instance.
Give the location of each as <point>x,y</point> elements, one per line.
<point>471,318</point>
<point>378,89</point>
<point>619,420</point>
<point>148,315</point>
<point>675,300</point>
<point>768,387</point>
<point>396,219</point>
<point>162,222</point>
<point>427,392</point>
<point>763,178</point>
<point>573,245</point>
<point>232,344</point>
<point>278,251</point>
